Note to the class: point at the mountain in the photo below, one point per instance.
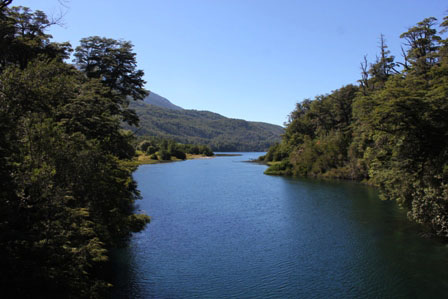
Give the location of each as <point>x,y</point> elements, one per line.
<point>159,101</point>
<point>167,120</point>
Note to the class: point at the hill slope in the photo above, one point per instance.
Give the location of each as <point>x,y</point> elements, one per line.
<point>155,99</point>
<point>204,127</point>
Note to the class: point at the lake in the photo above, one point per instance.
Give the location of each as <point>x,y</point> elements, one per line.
<point>220,228</point>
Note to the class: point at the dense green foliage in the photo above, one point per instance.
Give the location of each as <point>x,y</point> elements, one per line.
<point>163,149</point>
<point>66,194</point>
<point>390,131</point>
<point>203,127</point>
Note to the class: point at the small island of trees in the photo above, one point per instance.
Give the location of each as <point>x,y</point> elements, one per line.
<point>152,149</point>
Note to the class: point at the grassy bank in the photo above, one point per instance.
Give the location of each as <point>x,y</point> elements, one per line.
<point>143,159</point>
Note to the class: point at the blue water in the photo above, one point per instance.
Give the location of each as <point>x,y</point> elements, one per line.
<point>220,228</point>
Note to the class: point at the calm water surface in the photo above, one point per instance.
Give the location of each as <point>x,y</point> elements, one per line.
<point>222,229</point>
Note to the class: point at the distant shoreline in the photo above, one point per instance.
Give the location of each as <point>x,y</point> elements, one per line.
<point>145,160</point>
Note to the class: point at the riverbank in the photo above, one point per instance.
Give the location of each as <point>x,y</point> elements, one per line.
<point>144,159</point>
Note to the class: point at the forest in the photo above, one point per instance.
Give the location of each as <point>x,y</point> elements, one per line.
<point>220,133</point>
<point>67,195</point>
<point>390,130</point>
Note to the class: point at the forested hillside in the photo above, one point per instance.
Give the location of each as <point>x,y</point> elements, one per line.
<point>391,130</point>
<point>67,195</point>
<point>204,127</point>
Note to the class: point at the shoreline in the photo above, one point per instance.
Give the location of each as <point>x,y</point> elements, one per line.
<point>145,160</point>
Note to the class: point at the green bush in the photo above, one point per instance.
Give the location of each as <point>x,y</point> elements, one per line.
<point>151,150</point>
<point>163,155</point>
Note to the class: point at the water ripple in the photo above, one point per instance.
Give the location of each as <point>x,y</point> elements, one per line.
<point>224,230</point>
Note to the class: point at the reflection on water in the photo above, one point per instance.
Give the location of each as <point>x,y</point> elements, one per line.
<point>221,228</point>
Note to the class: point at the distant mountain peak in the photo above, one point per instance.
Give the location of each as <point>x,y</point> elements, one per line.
<point>159,101</point>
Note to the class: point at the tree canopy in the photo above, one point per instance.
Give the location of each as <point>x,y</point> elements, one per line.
<point>114,64</point>
<point>67,194</point>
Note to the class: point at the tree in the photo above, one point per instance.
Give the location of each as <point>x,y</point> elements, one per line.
<point>114,64</point>
<point>374,77</point>
<point>67,196</point>
<point>423,43</point>
<point>23,37</point>
<point>384,66</point>
<point>71,197</point>
<point>393,133</point>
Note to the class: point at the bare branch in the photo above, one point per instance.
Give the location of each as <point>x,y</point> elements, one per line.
<point>64,3</point>
<point>4,3</point>
<point>405,57</point>
<point>58,19</point>
<point>364,74</point>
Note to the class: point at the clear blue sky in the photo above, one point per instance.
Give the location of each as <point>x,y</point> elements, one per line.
<point>248,59</point>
